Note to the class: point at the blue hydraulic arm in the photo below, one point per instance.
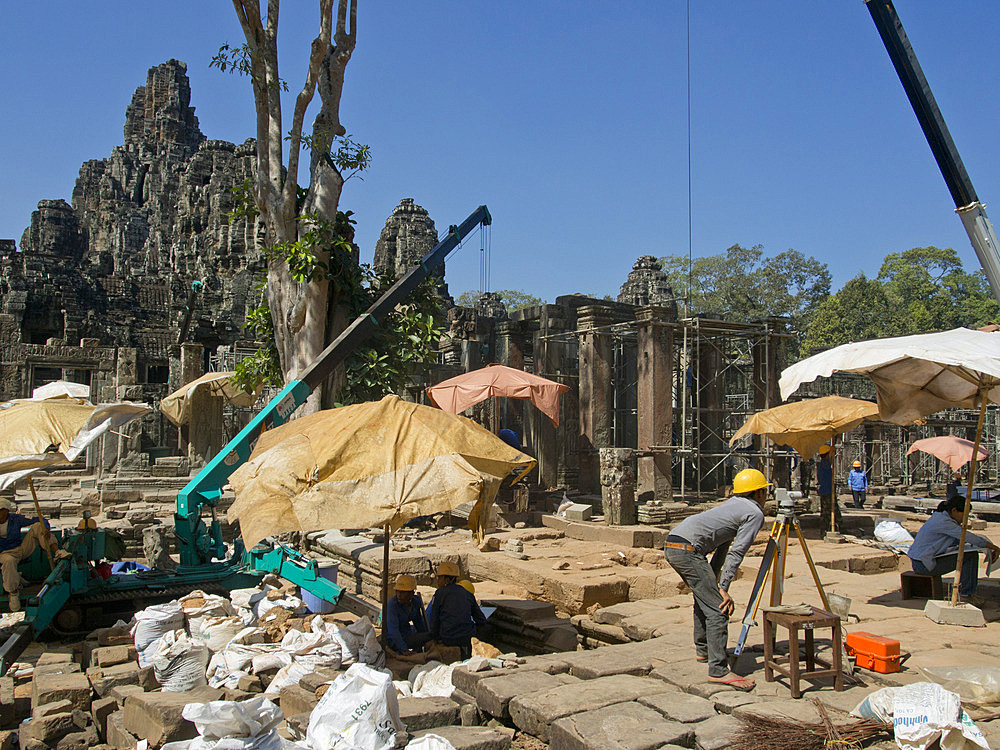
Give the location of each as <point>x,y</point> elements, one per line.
<point>200,545</point>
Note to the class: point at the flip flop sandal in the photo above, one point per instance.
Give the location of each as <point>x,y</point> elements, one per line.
<point>737,682</point>
<point>699,657</point>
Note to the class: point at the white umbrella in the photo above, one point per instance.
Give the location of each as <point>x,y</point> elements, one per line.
<point>915,376</point>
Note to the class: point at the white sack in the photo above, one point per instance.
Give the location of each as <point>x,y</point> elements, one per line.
<point>432,680</point>
<point>922,714</point>
<point>973,684</point>
<point>155,621</point>
<point>198,605</point>
<point>430,742</point>
<point>228,725</point>
<point>358,711</point>
<point>217,632</point>
<point>179,662</point>
<point>892,532</point>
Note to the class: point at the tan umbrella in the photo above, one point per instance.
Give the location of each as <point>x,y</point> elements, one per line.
<point>462,391</point>
<point>806,425</point>
<point>376,464</point>
<point>915,376</point>
<point>177,406</point>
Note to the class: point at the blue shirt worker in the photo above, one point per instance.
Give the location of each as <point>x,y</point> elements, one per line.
<point>726,532</point>
<point>934,551</point>
<point>14,548</point>
<point>828,507</point>
<point>454,613</point>
<point>406,624</point>
<point>857,480</point>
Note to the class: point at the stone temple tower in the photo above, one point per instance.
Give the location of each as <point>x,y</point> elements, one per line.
<point>647,284</point>
<point>408,235</point>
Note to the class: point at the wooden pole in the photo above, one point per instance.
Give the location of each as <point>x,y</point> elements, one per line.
<point>968,494</point>
<point>385,584</point>
<point>41,519</point>
<point>833,485</point>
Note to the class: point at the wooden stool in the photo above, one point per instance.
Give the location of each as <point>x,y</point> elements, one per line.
<point>793,671</point>
<point>913,585</point>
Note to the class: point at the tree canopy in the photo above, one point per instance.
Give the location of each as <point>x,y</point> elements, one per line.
<point>513,299</point>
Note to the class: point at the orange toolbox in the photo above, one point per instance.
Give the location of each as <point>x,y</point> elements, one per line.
<point>875,652</point>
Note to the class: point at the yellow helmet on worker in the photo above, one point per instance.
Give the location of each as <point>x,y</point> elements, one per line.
<point>824,449</point>
<point>468,586</point>
<point>749,480</point>
<point>857,464</point>
<point>448,569</point>
<point>405,583</point>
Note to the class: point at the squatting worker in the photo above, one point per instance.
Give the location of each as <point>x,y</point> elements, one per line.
<point>934,551</point>
<point>454,613</point>
<point>14,549</point>
<point>726,530</point>
<point>406,626</point>
<point>824,486</point>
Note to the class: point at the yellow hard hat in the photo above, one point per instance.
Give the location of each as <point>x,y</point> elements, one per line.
<point>749,480</point>
<point>857,464</point>
<point>405,583</point>
<point>468,586</point>
<point>448,569</point>
<point>824,449</point>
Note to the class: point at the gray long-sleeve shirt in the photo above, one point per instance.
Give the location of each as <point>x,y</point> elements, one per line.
<point>735,524</point>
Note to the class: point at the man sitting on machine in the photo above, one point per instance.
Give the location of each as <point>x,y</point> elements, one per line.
<point>726,530</point>
<point>14,549</point>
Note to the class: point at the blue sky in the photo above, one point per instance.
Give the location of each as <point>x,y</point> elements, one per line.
<point>568,119</point>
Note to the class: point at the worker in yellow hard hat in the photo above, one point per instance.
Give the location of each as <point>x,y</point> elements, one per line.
<point>453,614</point>
<point>726,532</point>
<point>406,627</point>
<point>468,585</point>
<point>857,480</point>
<point>824,486</point>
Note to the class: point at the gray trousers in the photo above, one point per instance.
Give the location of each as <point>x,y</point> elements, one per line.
<point>711,626</point>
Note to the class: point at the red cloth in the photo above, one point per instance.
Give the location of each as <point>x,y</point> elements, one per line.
<point>459,393</point>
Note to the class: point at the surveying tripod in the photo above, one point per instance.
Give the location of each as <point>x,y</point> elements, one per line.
<point>773,564</point>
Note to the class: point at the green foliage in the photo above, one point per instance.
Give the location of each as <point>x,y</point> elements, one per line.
<point>319,237</point>
<point>238,60</point>
<point>919,290</point>
<point>742,285</point>
<point>262,367</point>
<point>343,152</point>
<point>513,299</point>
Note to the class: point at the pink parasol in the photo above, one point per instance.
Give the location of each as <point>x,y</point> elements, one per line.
<point>462,391</point>
<point>954,451</point>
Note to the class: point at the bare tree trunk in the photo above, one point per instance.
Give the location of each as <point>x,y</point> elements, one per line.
<point>299,311</point>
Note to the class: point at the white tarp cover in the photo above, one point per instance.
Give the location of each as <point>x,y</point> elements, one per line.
<point>913,375</point>
<point>61,389</point>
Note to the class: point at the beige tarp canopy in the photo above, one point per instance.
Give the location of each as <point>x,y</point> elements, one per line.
<point>177,406</point>
<point>35,434</point>
<point>368,465</point>
<point>806,425</point>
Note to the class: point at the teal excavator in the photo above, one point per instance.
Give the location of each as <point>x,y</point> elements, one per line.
<point>72,593</point>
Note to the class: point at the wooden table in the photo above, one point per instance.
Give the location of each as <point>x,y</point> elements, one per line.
<point>791,666</point>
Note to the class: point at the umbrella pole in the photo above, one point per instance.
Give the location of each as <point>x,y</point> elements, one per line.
<point>385,583</point>
<point>968,497</point>
<point>41,519</point>
<point>833,484</point>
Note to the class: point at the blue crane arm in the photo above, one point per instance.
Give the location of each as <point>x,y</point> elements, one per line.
<point>200,544</point>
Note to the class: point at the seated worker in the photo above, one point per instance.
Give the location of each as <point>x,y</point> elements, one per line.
<point>14,549</point>
<point>726,532</point>
<point>406,624</point>
<point>453,612</point>
<point>935,548</point>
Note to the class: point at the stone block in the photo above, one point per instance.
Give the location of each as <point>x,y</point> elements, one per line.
<point>109,656</point>
<point>314,680</point>
<point>472,738</point>
<point>295,699</point>
<point>8,739</point>
<point>156,717</point>
<point>493,695</point>
<point>550,663</point>
<point>117,736</point>
<point>121,692</point>
<point>74,687</point>
<point>111,637</point>
<point>101,709</point>
<point>801,711</point>
<point>249,683</point>
<point>579,512</point>
<point>628,726</point>
<point>83,740</point>
<point>717,733</point>
<point>56,707</point>
<point>61,667</point>
<point>105,678</point>
<point>534,713</point>
<point>727,702</point>
<point>426,713</point>
<point>297,726</point>
<point>609,660</point>
<point>680,707</point>
<point>466,681</point>
<point>943,613</point>
<point>51,728</point>
<point>54,657</point>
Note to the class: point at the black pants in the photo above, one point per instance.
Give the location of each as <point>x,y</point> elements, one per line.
<point>463,644</point>
<point>416,641</point>
<point>859,498</point>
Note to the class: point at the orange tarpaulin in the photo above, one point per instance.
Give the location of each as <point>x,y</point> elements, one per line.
<point>459,393</point>
<point>954,451</point>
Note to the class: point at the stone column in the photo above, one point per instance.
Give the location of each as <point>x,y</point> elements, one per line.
<point>192,367</point>
<point>766,371</point>
<point>117,444</point>
<point>595,393</point>
<point>655,361</point>
<point>618,486</point>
